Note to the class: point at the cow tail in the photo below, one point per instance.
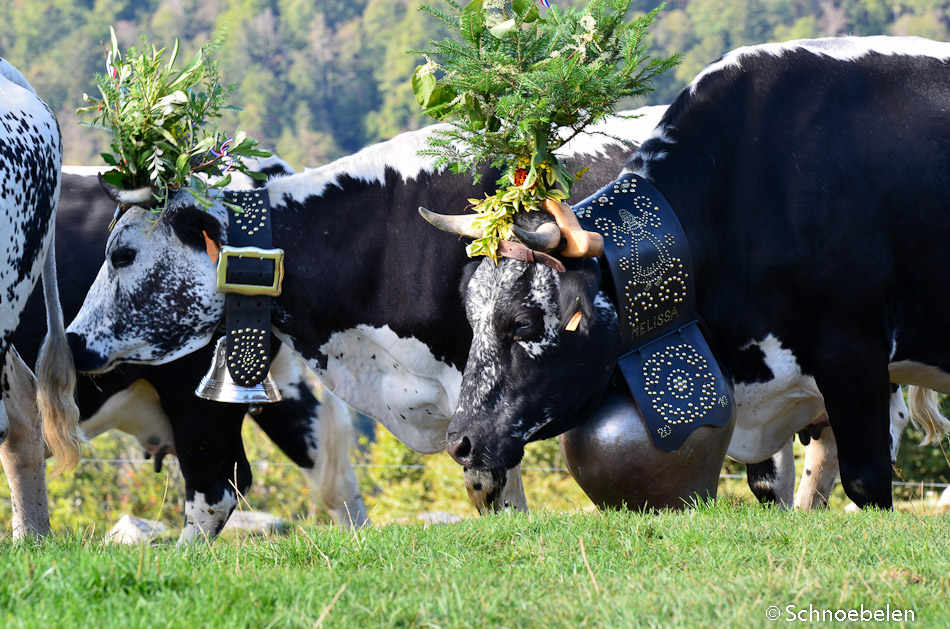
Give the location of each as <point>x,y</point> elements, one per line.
<point>334,475</point>
<point>925,412</point>
<point>56,377</point>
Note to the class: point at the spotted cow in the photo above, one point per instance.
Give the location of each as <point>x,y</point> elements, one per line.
<point>157,405</point>
<point>31,152</point>
<point>812,180</point>
<point>370,295</point>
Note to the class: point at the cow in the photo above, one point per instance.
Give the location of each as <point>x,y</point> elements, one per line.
<point>369,296</point>
<point>157,403</point>
<point>811,179</point>
<point>31,153</point>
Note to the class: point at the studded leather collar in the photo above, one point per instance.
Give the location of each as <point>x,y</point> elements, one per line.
<point>252,270</point>
<point>665,359</point>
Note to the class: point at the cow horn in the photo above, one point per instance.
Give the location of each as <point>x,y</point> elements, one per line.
<point>453,223</point>
<point>578,243</point>
<point>545,238</point>
<point>139,196</point>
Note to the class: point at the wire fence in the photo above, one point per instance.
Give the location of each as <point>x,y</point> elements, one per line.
<point>558,470</point>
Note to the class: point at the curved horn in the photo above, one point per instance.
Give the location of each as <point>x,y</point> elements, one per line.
<point>139,196</point>
<point>452,223</point>
<point>578,243</point>
<point>545,239</point>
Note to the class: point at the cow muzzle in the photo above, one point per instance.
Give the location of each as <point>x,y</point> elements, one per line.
<point>85,359</point>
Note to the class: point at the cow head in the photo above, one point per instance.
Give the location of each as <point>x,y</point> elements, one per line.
<point>531,374</point>
<point>154,299</point>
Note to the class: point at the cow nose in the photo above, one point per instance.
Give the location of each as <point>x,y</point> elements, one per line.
<point>460,449</point>
<point>84,358</point>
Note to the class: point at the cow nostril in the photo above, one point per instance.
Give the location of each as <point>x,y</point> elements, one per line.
<point>460,450</point>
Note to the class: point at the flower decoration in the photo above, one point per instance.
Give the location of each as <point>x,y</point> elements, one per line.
<point>162,122</point>
<point>517,85</point>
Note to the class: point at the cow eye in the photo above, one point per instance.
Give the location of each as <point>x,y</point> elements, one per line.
<point>528,326</point>
<point>122,257</point>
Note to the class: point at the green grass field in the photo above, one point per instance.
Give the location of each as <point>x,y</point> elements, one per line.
<point>724,564</point>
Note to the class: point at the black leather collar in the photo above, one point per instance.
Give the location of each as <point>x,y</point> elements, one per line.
<point>665,359</point>
<point>252,276</point>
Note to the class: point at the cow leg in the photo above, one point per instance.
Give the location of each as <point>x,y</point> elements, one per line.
<point>213,462</point>
<point>319,439</point>
<point>855,385</point>
<point>495,491</point>
<point>820,471</point>
<point>23,451</point>
<point>924,402</point>
<point>773,480</point>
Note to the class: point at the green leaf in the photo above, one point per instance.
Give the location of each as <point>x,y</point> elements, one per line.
<point>521,6</point>
<point>540,150</point>
<point>114,177</point>
<point>173,57</point>
<point>109,159</point>
<point>222,182</point>
<point>503,29</point>
<point>533,15</point>
<point>472,22</point>
<point>181,163</point>
<point>422,86</point>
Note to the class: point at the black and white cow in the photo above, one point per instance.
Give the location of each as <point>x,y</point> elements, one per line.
<point>370,295</point>
<point>31,153</point>
<point>157,403</point>
<point>812,179</point>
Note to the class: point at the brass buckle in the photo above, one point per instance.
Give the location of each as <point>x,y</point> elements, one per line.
<point>277,255</point>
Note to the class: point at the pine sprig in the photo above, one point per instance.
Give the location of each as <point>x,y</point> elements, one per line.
<point>162,122</point>
<point>516,86</point>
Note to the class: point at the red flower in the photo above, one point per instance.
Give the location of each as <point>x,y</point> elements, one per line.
<point>520,175</point>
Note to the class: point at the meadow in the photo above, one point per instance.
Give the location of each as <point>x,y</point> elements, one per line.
<point>723,563</point>
<point>563,565</point>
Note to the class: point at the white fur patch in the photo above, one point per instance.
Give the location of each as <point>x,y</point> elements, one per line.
<point>401,155</point>
<point>204,520</point>
<point>842,48</point>
<point>769,413</point>
<point>395,380</point>
<point>598,137</point>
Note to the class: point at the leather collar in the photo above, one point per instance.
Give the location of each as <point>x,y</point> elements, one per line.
<point>665,359</point>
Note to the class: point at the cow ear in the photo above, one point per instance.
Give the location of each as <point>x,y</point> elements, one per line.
<point>467,272</point>
<point>579,286</point>
<point>195,227</point>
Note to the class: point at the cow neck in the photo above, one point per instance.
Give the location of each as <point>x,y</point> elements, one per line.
<point>248,316</point>
<point>664,356</point>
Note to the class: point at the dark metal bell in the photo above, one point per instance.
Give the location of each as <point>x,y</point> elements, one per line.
<point>218,386</point>
<point>614,460</point>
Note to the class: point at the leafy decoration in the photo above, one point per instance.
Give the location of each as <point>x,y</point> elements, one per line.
<point>517,86</point>
<point>161,121</point>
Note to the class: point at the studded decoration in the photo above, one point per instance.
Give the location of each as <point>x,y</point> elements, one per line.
<point>680,384</point>
<point>665,360</point>
<point>248,360</point>
<point>653,272</point>
<point>248,312</point>
<point>254,216</point>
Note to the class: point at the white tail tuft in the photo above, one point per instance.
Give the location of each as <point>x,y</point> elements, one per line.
<point>56,377</point>
<point>926,415</point>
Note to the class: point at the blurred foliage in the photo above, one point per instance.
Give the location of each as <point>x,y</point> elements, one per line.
<point>397,483</point>
<point>318,79</point>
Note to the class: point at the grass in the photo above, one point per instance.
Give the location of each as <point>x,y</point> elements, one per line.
<point>721,564</point>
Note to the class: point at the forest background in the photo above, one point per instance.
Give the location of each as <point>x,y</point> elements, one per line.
<point>318,79</point>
